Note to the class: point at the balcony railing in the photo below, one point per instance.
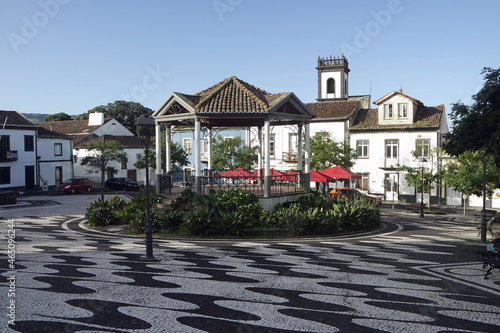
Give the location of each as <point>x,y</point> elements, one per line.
<point>8,156</point>
<point>289,156</point>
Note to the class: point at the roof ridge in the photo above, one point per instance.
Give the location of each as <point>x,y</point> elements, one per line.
<point>240,83</point>
<point>222,84</point>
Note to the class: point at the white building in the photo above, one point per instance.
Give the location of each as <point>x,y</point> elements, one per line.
<point>383,136</point>
<point>96,128</point>
<point>31,157</point>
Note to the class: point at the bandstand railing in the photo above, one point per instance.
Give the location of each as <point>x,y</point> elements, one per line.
<point>282,183</point>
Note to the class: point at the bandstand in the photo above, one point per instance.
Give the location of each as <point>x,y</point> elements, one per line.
<point>233,103</point>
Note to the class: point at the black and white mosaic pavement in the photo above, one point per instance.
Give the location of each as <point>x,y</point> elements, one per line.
<point>412,276</point>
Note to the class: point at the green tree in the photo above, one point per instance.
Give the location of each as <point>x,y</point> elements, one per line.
<point>475,128</point>
<point>101,154</point>
<point>126,113</point>
<point>57,117</point>
<point>465,174</point>
<point>177,155</point>
<point>231,153</point>
<point>432,170</point>
<point>325,152</point>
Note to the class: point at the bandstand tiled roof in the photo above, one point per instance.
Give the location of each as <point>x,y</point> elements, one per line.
<point>238,101</point>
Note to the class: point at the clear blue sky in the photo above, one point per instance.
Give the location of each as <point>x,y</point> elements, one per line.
<point>72,55</point>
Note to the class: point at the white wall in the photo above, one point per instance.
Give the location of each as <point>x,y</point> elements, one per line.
<point>49,160</point>
<point>25,158</point>
<point>376,156</point>
<point>95,177</point>
<point>113,127</point>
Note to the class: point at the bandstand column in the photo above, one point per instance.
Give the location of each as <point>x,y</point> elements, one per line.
<point>307,166</point>
<point>259,152</point>
<point>267,171</point>
<point>197,155</point>
<point>158,157</point>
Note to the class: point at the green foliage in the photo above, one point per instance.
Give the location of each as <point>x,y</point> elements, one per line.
<point>465,174</point>
<point>325,152</point>
<point>136,212</point>
<point>100,214</point>
<point>177,154</point>
<point>126,113</point>
<point>101,153</point>
<point>57,117</point>
<point>231,153</point>
<point>475,127</point>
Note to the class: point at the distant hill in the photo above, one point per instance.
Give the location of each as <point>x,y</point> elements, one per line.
<point>38,117</point>
<point>35,117</point>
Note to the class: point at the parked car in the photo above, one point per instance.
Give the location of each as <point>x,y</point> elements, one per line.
<point>74,185</point>
<point>121,184</point>
<point>344,192</point>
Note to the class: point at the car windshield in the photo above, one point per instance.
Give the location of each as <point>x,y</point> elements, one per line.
<point>70,181</point>
<point>126,180</point>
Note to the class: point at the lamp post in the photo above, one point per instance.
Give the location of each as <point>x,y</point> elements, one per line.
<point>103,160</point>
<point>147,123</point>
<point>422,197</point>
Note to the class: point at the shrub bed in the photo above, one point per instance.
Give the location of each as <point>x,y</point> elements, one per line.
<point>236,213</point>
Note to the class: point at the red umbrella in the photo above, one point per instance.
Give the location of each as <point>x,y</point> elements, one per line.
<point>338,172</point>
<point>320,177</point>
<point>235,173</point>
<point>274,173</point>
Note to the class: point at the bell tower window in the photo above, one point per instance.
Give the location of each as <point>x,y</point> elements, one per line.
<point>330,86</point>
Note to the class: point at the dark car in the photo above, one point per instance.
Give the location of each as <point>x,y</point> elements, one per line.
<point>122,184</point>
<point>354,193</point>
<point>74,185</point>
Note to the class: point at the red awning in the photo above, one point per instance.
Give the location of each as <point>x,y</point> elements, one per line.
<point>340,173</point>
<point>320,177</point>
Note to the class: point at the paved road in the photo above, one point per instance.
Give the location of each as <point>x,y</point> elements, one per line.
<point>414,275</point>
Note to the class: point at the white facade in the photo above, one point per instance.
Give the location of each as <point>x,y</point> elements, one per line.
<point>55,162</point>
<point>112,127</point>
<point>129,170</point>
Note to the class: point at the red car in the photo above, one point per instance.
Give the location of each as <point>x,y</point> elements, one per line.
<point>74,185</point>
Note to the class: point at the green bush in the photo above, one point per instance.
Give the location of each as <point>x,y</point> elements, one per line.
<point>100,214</point>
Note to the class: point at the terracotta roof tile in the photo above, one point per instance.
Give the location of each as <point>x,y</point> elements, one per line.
<point>125,141</point>
<point>333,109</point>
<point>426,117</point>
<point>14,118</point>
<point>233,96</point>
<point>71,127</point>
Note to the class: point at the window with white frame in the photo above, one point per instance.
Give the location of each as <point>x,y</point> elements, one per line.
<point>58,149</point>
<point>388,111</point>
<point>271,145</point>
<point>422,148</point>
<point>391,149</point>
<point>362,148</point>
<point>205,145</point>
<point>186,145</point>
<point>293,142</point>
<point>403,110</point>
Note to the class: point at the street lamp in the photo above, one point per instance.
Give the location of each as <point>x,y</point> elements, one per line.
<point>146,123</point>
<point>422,197</point>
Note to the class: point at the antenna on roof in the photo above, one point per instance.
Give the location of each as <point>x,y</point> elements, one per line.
<point>370,87</point>
<point>401,89</point>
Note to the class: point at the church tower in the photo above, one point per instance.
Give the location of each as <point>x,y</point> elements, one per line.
<point>333,78</point>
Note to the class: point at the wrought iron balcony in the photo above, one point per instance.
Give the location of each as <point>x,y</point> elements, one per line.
<point>8,156</point>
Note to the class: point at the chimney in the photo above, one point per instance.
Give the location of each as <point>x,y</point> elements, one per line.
<point>96,119</point>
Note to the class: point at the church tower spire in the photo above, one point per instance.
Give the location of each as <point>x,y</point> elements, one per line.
<point>333,78</point>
